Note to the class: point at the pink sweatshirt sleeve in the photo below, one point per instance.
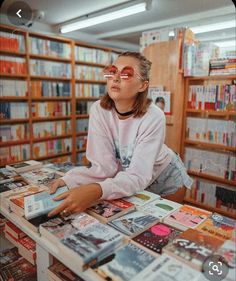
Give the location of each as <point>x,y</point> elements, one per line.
<point>99,152</point>
<point>139,173</point>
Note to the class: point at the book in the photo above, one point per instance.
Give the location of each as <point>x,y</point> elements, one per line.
<point>160,208</point>
<point>24,166</point>
<point>187,217</point>
<point>8,256</point>
<point>228,252</point>
<point>106,211</point>
<point>41,176</point>
<point>133,223</point>
<point>16,232</point>
<point>193,247</point>
<point>16,200</point>
<point>167,268</point>
<point>41,203</point>
<point>157,236</point>
<point>6,175</point>
<point>20,270</point>
<point>218,226</point>
<point>9,185</point>
<point>59,272</point>
<point>126,264</point>
<point>141,198</point>
<point>13,241</point>
<point>81,238</point>
<point>27,249</point>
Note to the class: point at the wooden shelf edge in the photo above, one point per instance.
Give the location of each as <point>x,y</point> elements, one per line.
<point>90,81</point>
<point>210,145</point>
<point>82,116</point>
<point>50,58</point>
<point>14,98</point>
<point>212,178</point>
<point>12,53</point>
<point>35,77</point>
<point>87,98</point>
<point>213,77</point>
<point>41,158</point>
<point>10,75</point>
<point>43,119</point>
<point>35,140</point>
<point>51,98</point>
<point>210,208</point>
<point>212,112</point>
<point>90,63</point>
<point>80,134</point>
<point>81,150</point>
<point>12,143</point>
<point>13,121</point>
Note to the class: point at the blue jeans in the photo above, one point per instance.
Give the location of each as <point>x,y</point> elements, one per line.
<point>173,177</point>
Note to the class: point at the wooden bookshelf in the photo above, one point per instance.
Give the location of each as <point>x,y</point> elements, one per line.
<point>68,55</point>
<point>210,208</point>
<point>209,115</point>
<point>11,143</point>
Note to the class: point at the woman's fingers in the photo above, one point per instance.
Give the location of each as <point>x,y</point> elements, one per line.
<point>57,183</point>
<point>61,196</point>
<point>63,206</point>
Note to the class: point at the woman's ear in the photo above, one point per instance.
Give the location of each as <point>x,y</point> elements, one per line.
<point>144,86</point>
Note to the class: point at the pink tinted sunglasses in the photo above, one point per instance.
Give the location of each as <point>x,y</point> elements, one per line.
<point>127,73</point>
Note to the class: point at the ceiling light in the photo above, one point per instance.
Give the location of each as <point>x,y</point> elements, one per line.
<point>213,26</point>
<point>230,43</point>
<point>141,7</point>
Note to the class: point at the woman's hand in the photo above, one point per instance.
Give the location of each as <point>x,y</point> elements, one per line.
<point>56,184</point>
<point>77,199</point>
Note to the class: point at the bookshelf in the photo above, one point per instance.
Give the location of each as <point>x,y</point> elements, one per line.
<point>59,79</point>
<point>208,142</point>
<point>166,71</point>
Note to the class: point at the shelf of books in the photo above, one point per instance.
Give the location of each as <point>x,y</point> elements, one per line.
<point>209,142</point>
<point>48,85</point>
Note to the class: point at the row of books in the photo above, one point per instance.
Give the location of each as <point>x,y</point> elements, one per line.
<point>11,42</point>
<point>14,153</point>
<point>14,266</point>
<point>50,89</point>
<point>89,90</point>
<point>52,48</point>
<point>82,125</point>
<point>213,97</point>
<point>211,131</point>
<point>223,66</point>
<point>133,232</point>
<point>213,194</point>
<point>52,147</point>
<point>83,107</point>
<point>12,65</point>
<point>84,72</point>
<point>81,142</point>
<point>13,88</point>
<point>196,57</point>
<point>49,68</point>
<point>53,128</point>
<point>209,162</point>
<point>14,132</point>
<point>48,109</point>
<point>14,110</point>
<point>92,55</point>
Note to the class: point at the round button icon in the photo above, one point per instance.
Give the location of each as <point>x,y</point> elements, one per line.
<point>19,13</point>
<point>215,268</point>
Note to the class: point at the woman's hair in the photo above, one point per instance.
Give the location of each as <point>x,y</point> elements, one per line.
<point>142,101</point>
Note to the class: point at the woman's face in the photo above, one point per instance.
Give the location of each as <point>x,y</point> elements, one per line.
<point>119,89</point>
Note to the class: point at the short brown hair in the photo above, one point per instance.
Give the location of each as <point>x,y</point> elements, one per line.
<point>142,101</point>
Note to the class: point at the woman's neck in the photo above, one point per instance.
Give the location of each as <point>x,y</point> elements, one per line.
<point>123,107</point>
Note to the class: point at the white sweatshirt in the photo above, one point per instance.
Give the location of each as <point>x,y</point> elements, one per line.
<point>126,155</point>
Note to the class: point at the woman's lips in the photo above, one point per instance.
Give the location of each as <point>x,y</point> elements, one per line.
<point>115,88</point>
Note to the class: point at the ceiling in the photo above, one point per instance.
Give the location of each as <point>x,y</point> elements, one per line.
<point>125,33</point>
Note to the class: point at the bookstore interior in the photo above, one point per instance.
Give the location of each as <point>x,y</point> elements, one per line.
<point>76,198</point>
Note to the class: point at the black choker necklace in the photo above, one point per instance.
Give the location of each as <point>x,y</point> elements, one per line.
<point>125,113</point>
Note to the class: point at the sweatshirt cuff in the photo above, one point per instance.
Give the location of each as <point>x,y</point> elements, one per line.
<point>106,189</point>
<point>68,181</point>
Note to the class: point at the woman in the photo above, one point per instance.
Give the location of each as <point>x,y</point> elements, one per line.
<point>125,143</point>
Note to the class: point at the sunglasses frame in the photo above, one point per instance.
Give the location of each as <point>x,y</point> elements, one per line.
<point>111,76</point>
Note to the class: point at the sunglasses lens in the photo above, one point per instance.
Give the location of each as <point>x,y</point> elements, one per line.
<point>127,73</point>
<point>110,71</point>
